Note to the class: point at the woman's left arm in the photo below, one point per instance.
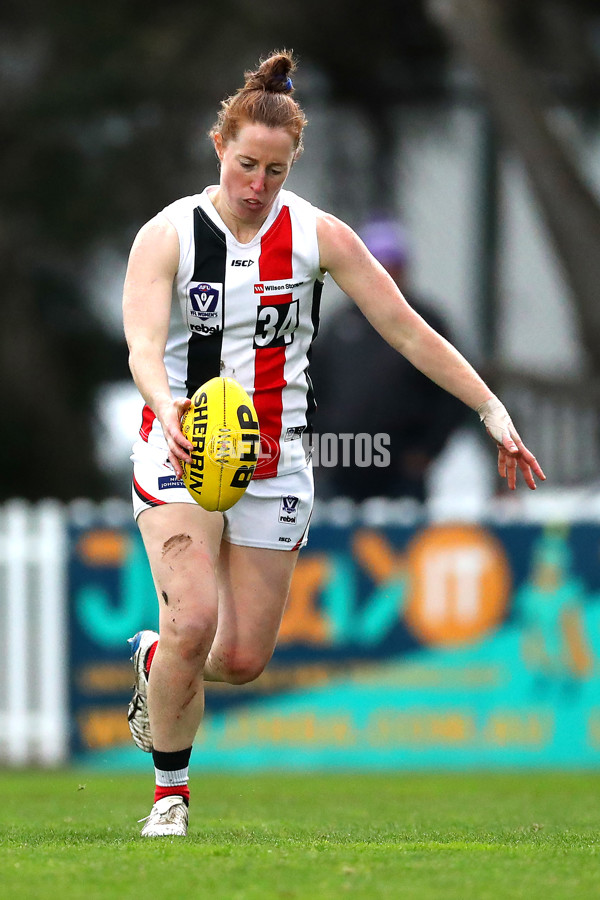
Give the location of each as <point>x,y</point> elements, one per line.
<point>362,278</point>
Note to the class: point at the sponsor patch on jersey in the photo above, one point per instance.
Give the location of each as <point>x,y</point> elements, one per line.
<point>205,307</point>
<point>169,481</point>
<point>288,509</point>
<point>295,433</point>
<point>276,287</point>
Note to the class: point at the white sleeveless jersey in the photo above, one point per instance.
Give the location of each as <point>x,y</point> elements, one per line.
<point>250,312</point>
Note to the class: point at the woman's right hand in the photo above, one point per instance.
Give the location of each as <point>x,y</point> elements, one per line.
<point>169,414</point>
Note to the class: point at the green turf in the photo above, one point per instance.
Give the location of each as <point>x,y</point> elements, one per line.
<point>448,837</point>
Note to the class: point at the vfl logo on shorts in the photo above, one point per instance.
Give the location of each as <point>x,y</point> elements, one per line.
<point>204,311</point>
<point>288,510</point>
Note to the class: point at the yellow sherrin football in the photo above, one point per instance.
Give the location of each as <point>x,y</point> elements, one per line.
<point>222,426</point>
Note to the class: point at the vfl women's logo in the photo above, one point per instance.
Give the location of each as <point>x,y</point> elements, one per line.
<point>288,510</point>
<point>204,308</point>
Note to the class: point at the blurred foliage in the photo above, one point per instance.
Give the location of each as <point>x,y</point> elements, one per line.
<point>104,110</point>
<point>560,38</point>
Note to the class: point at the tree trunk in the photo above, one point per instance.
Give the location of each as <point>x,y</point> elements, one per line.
<point>518,104</point>
<point>46,449</point>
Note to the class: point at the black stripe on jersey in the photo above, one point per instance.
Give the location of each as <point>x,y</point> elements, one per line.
<point>147,498</point>
<point>311,405</point>
<point>210,265</point>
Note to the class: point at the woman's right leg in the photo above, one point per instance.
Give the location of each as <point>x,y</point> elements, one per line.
<point>182,543</point>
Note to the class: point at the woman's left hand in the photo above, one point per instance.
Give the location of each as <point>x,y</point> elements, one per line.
<point>512,452</point>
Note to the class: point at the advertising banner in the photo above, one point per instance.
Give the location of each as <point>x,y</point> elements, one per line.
<point>444,646</point>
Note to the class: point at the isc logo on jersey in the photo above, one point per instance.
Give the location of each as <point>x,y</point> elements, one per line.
<point>222,426</point>
<point>204,308</point>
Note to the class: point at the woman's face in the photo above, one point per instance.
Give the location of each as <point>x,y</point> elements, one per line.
<point>254,167</point>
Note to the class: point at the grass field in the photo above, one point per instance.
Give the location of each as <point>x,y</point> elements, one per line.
<point>451,837</point>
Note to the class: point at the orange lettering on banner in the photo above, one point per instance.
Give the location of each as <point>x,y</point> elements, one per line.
<point>305,728</point>
<point>104,678</point>
<point>524,729</point>
<point>376,556</point>
<point>580,656</point>
<point>103,547</point>
<point>593,728</point>
<point>302,621</point>
<point>425,729</point>
<point>459,584</point>
<point>104,727</point>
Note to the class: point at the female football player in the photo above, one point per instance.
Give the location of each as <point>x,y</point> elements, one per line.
<point>228,282</point>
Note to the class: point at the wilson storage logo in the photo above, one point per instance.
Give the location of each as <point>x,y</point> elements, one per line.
<point>276,287</point>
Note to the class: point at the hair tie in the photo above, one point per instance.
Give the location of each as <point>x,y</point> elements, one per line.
<point>288,83</point>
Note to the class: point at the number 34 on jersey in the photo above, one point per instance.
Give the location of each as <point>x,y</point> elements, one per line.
<point>276,324</point>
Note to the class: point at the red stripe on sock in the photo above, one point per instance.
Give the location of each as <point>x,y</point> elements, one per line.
<point>179,790</point>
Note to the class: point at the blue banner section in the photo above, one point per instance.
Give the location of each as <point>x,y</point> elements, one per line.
<point>447,646</point>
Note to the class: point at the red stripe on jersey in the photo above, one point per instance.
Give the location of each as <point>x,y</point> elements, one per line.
<point>274,264</point>
<point>148,418</point>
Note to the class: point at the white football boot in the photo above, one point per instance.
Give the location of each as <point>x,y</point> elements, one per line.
<point>168,816</point>
<point>137,713</point>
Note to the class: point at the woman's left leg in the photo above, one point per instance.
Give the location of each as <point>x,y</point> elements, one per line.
<point>253,585</point>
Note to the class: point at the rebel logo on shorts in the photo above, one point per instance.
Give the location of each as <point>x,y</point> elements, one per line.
<point>204,308</point>
<point>288,510</point>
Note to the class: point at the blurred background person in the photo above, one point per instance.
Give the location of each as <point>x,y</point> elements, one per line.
<point>364,386</point>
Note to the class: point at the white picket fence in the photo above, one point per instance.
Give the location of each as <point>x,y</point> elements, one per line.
<point>34,718</point>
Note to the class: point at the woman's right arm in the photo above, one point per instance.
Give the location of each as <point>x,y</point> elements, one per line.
<point>152,267</point>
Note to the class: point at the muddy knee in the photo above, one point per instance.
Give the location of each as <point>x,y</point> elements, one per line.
<point>237,667</point>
